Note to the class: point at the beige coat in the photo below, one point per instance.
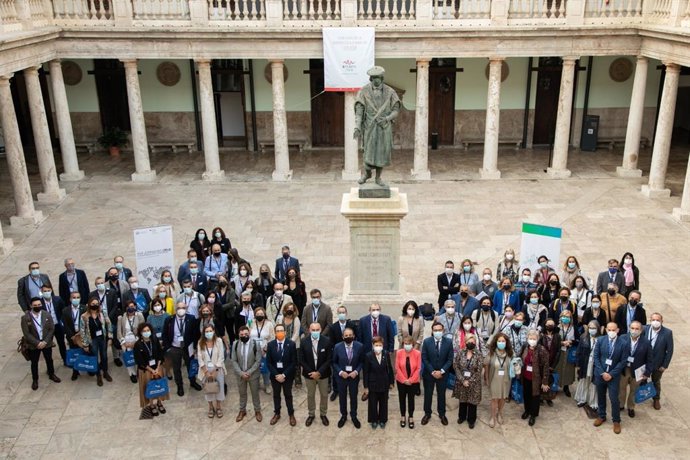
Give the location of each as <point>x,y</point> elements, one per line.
<point>216,358</point>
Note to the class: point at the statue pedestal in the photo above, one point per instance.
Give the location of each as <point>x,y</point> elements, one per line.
<point>374,251</point>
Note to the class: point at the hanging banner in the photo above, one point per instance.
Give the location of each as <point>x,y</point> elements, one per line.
<point>348,52</point>
<point>540,240</point>
<point>153,247</point>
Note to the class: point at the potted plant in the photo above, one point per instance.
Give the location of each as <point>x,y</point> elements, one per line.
<point>113,139</point>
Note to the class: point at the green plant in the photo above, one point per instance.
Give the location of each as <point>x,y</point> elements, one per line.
<point>113,137</point>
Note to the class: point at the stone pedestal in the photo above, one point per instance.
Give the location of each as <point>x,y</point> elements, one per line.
<point>6,244</point>
<point>622,171</point>
<point>374,249</point>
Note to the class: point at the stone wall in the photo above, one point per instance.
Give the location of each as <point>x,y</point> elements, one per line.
<point>160,126</point>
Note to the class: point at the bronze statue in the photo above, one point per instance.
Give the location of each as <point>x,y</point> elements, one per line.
<point>376,106</point>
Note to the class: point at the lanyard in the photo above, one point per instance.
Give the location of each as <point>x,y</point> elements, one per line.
<point>465,278</point>
<point>258,331</point>
<point>565,333</point>
<point>210,354</point>
<point>631,315</point>
<point>131,324</point>
<point>75,316</point>
<point>314,314</point>
<point>39,286</point>
<point>180,327</point>
<point>149,349</point>
<point>217,262</point>
<point>612,347</point>
<point>501,362</point>
<point>652,338</point>
<point>633,346</point>
<point>39,329</point>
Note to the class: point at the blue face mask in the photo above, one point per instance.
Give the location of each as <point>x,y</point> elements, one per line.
<point>342,316</point>
<point>35,272</point>
<point>438,335</point>
<point>208,335</point>
<point>501,345</point>
<point>466,269</point>
<point>613,271</point>
<point>76,302</point>
<point>315,335</point>
<point>517,324</point>
<point>571,265</point>
<point>193,271</point>
<point>533,301</point>
<point>316,302</point>
<point>565,320</point>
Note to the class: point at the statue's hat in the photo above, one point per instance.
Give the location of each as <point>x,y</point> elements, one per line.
<point>376,71</point>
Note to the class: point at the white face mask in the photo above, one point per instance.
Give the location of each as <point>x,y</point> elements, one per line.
<point>532,342</point>
<point>467,326</point>
<point>243,272</point>
<point>656,324</point>
<point>525,278</point>
<point>375,314</point>
<point>509,257</point>
<point>410,312</point>
<point>628,261</point>
<point>487,277</point>
<point>449,271</point>
<point>157,308</point>
<point>612,334</point>
<point>134,285</point>
<point>181,312</point>
<point>408,347</point>
<point>378,349</point>
<point>450,311</point>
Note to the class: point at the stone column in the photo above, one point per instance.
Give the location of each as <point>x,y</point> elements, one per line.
<point>420,169</point>
<point>209,128</point>
<point>5,243</point>
<point>280,137</point>
<point>68,151</point>
<point>493,111</point>
<point>52,193</point>
<point>664,129</point>
<point>559,163</point>
<point>23,201</point>
<point>683,213</point>
<point>351,169</point>
<point>635,116</point>
<point>140,146</point>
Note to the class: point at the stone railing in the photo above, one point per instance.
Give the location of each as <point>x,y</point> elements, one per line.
<point>18,15</point>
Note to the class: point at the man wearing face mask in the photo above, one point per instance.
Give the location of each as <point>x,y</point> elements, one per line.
<point>336,332</point>
<point>216,265</point>
<point>347,363</point>
<point>183,272</point>
<point>54,306</point>
<point>180,334</point>
<point>449,320</point>
<point>110,304</point>
<point>140,297</point>
<point>524,286</point>
<point>117,284</point>
<point>437,360</point>
<point>71,321</point>
<point>123,273</point>
<point>246,360</point>
<point>486,285</point>
<point>468,304</point>
<point>375,324</point>
<point>192,299</point>
<point>661,339</point>
<point>29,286</point>
<point>284,263</point>
<point>37,329</point>
<point>610,358</point>
<point>318,311</point>
<point>281,360</point>
<point>612,275</point>
<point>640,355</point>
<point>72,280</point>
<point>274,304</point>
<point>448,283</point>
<point>315,354</point>
<point>634,311</point>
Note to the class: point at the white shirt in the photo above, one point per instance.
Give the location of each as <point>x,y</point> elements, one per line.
<point>178,331</point>
<point>75,317</point>
<point>51,309</point>
<point>38,325</point>
<point>192,303</point>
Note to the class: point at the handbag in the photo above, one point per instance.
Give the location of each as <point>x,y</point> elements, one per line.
<point>22,348</point>
<point>156,388</point>
<point>128,358</point>
<point>645,392</point>
<point>572,355</point>
<point>77,340</point>
<point>86,363</point>
<point>263,367</point>
<point>450,381</point>
<point>193,369</point>
<point>516,391</point>
<point>72,355</point>
<point>211,387</point>
<point>554,384</point>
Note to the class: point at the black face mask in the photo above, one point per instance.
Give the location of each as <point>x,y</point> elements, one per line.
<point>113,278</point>
<point>464,294</point>
<point>611,291</point>
<point>348,339</point>
<point>260,318</point>
<point>506,287</point>
<point>223,284</point>
<point>205,314</point>
<point>564,298</point>
<point>553,282</point>
<point>244,338</point>
<point>36,309</point>
<point>93,307</point>
<point>550,327</point>
<point>264,275</point>
<point>632,302</point>
<point>246,302</point>
<point>470,346</point>
<point>288,313</point>
<point>486,307</point>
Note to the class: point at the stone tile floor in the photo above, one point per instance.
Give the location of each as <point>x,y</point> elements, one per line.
<point>454,216</point>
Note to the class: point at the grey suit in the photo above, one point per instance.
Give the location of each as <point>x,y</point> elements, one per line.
<point>253,358</point>
<point>324,317</point>
<point>24,289</point>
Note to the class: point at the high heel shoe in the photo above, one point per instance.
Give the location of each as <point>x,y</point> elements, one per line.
<point>410,423</point>
<point>402,423</point>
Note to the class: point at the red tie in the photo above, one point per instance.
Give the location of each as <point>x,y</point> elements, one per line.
<point>376,327</point>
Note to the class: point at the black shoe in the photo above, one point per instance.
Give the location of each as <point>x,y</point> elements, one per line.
<point>195,385</point>
<point>180,391</point>
<point>566,391</point>
<point>461,421</point>
<point>631,413</point>
<point>309,420</point>
<point>356,423</point>
<point>325,421</point>
<point>444,420</point>
<point>425,419</point>
<point>34,385</point>
<point>91,374</point>
<point>341,422</point>
<point>549,403</point>
<point>531,421</point>
<point>75,375</point>
<point>133,378</point>
<point>334,396</point>
<point>525,415</point>
<point>580,405</point>
<point>54,378</point>
<point>118,362</point>
<point>471,425</point>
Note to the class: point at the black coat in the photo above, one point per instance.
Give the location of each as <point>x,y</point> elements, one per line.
<point>323,355</point>
<point>336,335</point>
<point>141,353</point>
<point>68,323</point>
<point>377,377</point>
<point>622,317</point>
<point>288,359</point>
<point>191,331</point>
<point>111,297</point>
<point>58,305</point>
<point>445,290</point>
<point>82,286</point>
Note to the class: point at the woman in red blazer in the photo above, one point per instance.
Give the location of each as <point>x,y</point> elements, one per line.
<point>408,365</point>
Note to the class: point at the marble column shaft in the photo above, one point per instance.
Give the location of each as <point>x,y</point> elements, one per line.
<point>209,127</point>
<point>351,167</point>
<point>493,111</point>
<point>52,193</point>
<point>559,163</point>
<point>68,150</point>
<point>280,136</point>
<point>140,146</point>
<point>420,169</point>
<point>633,132</point>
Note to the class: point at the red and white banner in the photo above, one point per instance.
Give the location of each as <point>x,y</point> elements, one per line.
<point>348,52</point>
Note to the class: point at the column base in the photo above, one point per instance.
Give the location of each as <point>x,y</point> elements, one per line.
<point>350,175</point>
<point>72,177</point>
<point>655,193</point>
<point>558,173</point>
<point>6,246</point>
<point>489,175</point>
<point>681,215</point>
<point>420,175</point>
<point>37,218</point>
<point>148,176</point>
<point>624,172</point>
<point>52,198</point>
<point>213,176</point>
<point>282,176</point>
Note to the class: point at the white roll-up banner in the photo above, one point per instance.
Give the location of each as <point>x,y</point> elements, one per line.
<point>538,240</point>
<point>153,247</point>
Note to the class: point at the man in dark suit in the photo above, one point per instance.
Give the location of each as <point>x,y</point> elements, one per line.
<point>661,339</point>
<point>348,359</point>
<point>111,304</point>
<point>448,283</point>
<point>37,330</point>
<point>71,320</point>
<point>335,334</point>
<point>140,297</point>
<point>123,273</point>
<point>199,279</point>
<point>375,324</point>
<point>29,286</point>
<point>179,333</point>
<point>54,306</point>
<point>640,354</point>
<point>284,263</point>
<point>281,360</point>
<point>71,280</point>
<point>610,358</point>
<point>612,275</point>
<point>183,271</point>
<point>437,359</point>
<point>634,311</point>
<point>316,368</point>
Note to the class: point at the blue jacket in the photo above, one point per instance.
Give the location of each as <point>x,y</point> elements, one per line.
<point>662,352</point>
<point>471,305</point>
<point>340,360</point>
<point>288,358</point>
<point>183,272</point>
<point>618,356</point>
<point>432,360</point>
<point>385,330</point>
<point>280,272</point>
<point>513,299</point>
<point>642,355</point>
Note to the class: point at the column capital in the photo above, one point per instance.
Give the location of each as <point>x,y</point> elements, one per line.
<point>55,61</point>
<point>496,59</point>
<point>5,79</point>
<point>641,58</point>
<point>423,60</point>
<point>129,63</point>
<point>276,62</point>
<point>32,70</point>
<point>203,62</point>
<point>570,59</point>
<point>671,67</point>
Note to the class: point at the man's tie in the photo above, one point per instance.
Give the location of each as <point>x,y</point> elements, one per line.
<point>280,348</point>
<point>349,353</point>
<point>194,280</point>
<point>438,346</point>
<point>376,327</point>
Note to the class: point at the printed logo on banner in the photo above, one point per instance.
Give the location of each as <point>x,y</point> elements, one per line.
<point>153,248</point>
<point>348,52</point>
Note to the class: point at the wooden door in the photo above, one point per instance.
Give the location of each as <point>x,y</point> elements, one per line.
<point>546,104</point>
<point>327,110</point>
<point>442,102</point>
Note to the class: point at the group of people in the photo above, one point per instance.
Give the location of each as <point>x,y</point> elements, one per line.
<point>525,336</point>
